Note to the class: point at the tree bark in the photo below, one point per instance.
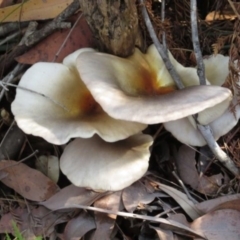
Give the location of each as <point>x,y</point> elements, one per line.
<point>114,23</point>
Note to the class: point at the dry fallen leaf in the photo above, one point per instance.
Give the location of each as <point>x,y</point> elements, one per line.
<point>45,51</point>
<point>182,199</point>
<point>77,227</point>
<point>219,225</point>
<point>186,165</point>
<point>138,193</point>
<point>104,222</point>
<point>163,234</point>
<point>31,221</point>
<point>207,206</point>
<point>5,3</point>
<point>26,181</point>
<point>71,196</point>
<point>33,10</point>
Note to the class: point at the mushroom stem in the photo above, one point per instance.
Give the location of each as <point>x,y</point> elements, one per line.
<point>204,130</point>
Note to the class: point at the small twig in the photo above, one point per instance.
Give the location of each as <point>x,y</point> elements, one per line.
<point>234,9</point>
<point>8,79</point>
<point>53,25</point>
<point>22,160</point>
<point>196,44</point>
<point>206,130</point>
<point>10,37</point>
<point>32,26</point>
<point>38,93</point>
<point>184,188</point>
<point>7,28</point>
<point>217,151</point>
<point>67,37</point>
<point>162,19</point>
<point>13,122</point>
<point>168,211</point>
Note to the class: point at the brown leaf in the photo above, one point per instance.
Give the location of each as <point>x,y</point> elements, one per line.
<point>31,221</point>
<point>77,227</point>
<point>207,206</point>
<point>219,225</point>
<point>45,51</point>
<point>137,193</point>
<point>28,182</point>
<point>5,3</point>
<point>70,196</point>
<point>163,234</point>
<point>186,165</point>
<point>33,10</point>
<point>105,223</point>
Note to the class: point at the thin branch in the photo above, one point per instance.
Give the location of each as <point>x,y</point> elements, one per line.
<point>217,151</point>
<point>184,187</point>
<point>38,93</point>
<point>196,44</point>
<point>162,19</point>
<point>206,130</point>
<point>180,229</point>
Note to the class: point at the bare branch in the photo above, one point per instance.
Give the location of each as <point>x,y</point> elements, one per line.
<point>196,44</point>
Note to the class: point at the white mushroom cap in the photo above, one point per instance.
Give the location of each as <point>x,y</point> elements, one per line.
<point>140,89</point>
<point>216,69</point>
<point>64,108</point>
<point>220,119</point>
<point>185,129</point>
<point>104,166</point>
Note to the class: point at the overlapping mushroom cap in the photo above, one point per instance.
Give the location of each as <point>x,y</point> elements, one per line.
<point>104,166</point>
<point>185,129</point>
<point>64,108</point>
<point>139,88</point>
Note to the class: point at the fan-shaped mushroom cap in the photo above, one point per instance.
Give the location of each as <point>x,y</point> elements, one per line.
<point>186,131</point>
<point>99,165</point>
<point>63,107</point>
<point>139,88</point>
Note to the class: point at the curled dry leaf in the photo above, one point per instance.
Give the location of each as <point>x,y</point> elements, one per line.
<point>137,193</point>
<point>219,225</point>
<point>27,182</point>
<point>33,10</point>
<point>77,227</point>
<point>209,205</point>
<point>28,219</point>
<point>186,165</point>
<point>71,196</point>
<point>163,234</point>
<point>105,222</point>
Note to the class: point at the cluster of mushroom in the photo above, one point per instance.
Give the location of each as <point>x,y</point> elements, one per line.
<point>105,102</point>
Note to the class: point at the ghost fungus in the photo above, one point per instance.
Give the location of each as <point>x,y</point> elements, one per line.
<point>103,166</point>
<point>64,108</point>
<point>139,88</point>
<point>185,129</point>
